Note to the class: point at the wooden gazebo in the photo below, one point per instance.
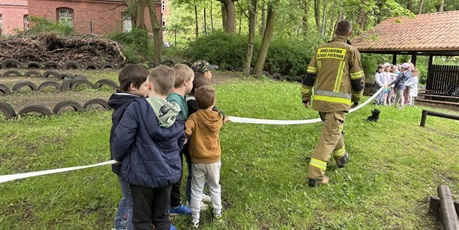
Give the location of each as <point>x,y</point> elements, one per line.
<point>434,34</point>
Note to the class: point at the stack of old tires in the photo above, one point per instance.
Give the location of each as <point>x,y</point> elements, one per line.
<point>51,68</point>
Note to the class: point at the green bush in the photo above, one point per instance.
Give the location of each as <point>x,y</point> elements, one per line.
<point>291,56</point>
<point>370,64</point>
<point>136,45</point>
<point>422,64</point>
<point>226,50</point>
<point>288,56</point>
<point>41,25</point>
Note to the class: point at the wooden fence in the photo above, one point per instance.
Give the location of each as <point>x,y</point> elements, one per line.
<point>442,79</point>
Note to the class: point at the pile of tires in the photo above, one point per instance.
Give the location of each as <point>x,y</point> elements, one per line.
<point>61,107</point>
<point>67,84</point>
<point>15,64</point>
<point>280,77</point>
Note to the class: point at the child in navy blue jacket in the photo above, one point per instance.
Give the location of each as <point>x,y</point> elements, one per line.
<point>399,85</point>
<point>134,83</point>
<point>148,140</point>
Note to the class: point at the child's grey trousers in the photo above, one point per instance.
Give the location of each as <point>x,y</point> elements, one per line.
<point>201,172</point>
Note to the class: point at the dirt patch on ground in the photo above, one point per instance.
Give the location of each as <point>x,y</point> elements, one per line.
<point>225,77</point>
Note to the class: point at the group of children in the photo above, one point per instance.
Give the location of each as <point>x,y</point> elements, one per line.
<point>399,83</point>
<point>158,118</point>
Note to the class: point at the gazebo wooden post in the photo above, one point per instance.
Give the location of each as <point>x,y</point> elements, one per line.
<point>429,74</point>
<point>413,58</point>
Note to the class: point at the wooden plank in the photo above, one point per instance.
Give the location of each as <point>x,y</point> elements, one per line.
<point>438,102</point>
<point>448,213</point>
<point>437,95</point>
<point>434,206</point>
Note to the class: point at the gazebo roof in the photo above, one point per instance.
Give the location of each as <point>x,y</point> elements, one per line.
<point>434,33</point>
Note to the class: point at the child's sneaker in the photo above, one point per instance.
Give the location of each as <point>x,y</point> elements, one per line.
<point>180,210</point>
<point>195,223</point>
<point>204,206</point>
<point>218,217</point>
<point>206,199</point>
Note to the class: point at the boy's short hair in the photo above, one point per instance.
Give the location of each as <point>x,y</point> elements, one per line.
<point>205,96</point>
<point>182,73</point>
<point>132,73</point>
<point>162,78</point>
<point>198,82</point>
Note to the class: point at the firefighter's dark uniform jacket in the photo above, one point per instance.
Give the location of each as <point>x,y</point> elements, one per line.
<point>337,76</point>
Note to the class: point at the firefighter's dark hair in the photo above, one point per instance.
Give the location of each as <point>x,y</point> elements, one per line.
<point>343,28</point>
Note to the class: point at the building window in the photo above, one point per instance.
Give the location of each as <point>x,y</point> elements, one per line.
<point>127,23</point>
<point>26,22</point>
<point>65,16</point>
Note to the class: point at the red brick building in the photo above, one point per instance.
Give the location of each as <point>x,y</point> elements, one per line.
<point>13,15</point>
<point>86,16</point>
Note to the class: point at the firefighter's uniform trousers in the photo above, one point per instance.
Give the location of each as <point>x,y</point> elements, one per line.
<point>331,141</point>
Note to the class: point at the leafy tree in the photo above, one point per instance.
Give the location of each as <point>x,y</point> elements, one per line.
<point>252,27</point>
<point>269,32</point>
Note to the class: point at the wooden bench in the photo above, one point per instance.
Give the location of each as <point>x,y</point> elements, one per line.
<point>431,98</point>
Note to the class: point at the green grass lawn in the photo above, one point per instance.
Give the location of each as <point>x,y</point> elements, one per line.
<point>395,166</point>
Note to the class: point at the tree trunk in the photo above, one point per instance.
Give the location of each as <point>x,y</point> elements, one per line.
<point>211,16</point>
<point>421,2</point>
<point>224,17</point>
<point>305,18</point>
<point>442,5</point>
<point>324,17</point>
<point>331,28</point>
<point>317,14</point>
<point>133,11</point>
<point>252,27</point>
<point>205,21</point>
<point>409,5</point>
<point>240,19</point>
<point>196,28</point>
<point>230,16</point>
<point>362,17</point>
<point>263,16</point>
<point>141,14</point>
<point>270,21</point>
<point>156,27</point>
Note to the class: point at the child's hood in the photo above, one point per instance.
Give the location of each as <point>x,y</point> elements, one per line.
<point>120,98</point>
<point>165,111</point>
<point>213,120</point>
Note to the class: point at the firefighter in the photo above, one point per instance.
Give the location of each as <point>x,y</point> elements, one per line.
<point>333,84</point>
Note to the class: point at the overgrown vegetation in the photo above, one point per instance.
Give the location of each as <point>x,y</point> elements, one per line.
<point>287,55</point>
<point>137,45</point>
<point>395,166</point>
<point>43,25</point>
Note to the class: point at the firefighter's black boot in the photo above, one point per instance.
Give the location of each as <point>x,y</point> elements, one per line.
<point>343,160</point>
<point>316,182</point>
